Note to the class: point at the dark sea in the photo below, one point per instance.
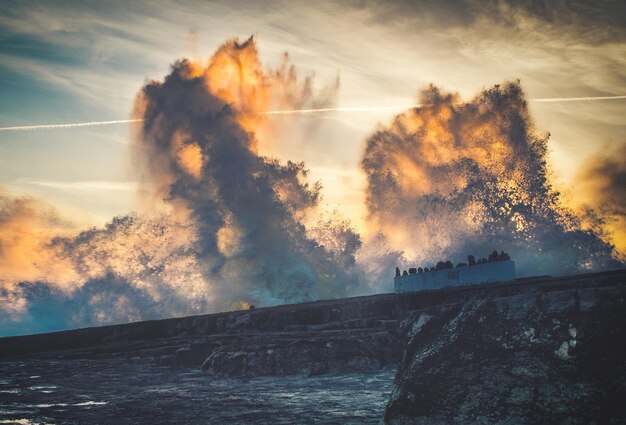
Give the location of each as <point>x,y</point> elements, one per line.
<point>116,391</point>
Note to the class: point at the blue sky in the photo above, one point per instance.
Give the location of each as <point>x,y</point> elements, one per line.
<point>63,62</point>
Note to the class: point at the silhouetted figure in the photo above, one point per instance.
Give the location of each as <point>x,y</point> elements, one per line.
<point>440,265</point>
<point>493,257</point>
<point>252,307</point>
<point>420,270</point>
<point>412,270</point>
<point>504,256</point>
<point>471,260</point>
<point>397,272</point>
<point>461,265</point>
<point>404,273</point>
<point>425,269</point>
<point>449,265</point>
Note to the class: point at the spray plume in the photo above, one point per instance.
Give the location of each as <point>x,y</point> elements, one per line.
<point>223,225</point>
<point>226,224</point>
<point>454,178</point>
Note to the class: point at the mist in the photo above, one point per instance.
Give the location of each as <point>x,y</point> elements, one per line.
<point>221,226</point>
<point>455,178</point>
<point>230,218</point>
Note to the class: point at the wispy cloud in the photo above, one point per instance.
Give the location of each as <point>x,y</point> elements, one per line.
<point>84,185</point>
<point>381,50</point>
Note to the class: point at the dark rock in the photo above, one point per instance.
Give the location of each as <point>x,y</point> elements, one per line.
<point>304,354</point>
<point>553,355</point>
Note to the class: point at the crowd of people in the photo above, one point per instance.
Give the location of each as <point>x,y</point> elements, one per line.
<point>471,261</point>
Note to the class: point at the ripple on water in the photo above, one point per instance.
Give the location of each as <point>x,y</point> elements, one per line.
<point>43,388</point>
<point>91,403</point>
<point>81,404</point>
<point>48,405</point>
<point>7,412</point>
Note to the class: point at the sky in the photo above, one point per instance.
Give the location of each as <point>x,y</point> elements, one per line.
<point>85,61</point>
<point>63,62</point>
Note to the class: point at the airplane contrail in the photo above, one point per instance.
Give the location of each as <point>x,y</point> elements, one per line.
<point>339,109</point>
<point>304,111</point>
<point>70,125</point>
<point>576,99</point>
<point>417,105</point>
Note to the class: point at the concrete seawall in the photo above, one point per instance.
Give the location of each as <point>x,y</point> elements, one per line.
<point>331,336</point>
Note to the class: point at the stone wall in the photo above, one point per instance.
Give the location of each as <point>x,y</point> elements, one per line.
<point>498,271</point>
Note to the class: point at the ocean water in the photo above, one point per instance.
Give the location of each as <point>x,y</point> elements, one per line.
<point>117,391</point>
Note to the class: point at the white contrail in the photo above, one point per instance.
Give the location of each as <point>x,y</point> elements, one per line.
<point>305,111</point>
<point>417,105</point>
<point>576,99</point>
<point>70,125</point>
<point>341,109</point>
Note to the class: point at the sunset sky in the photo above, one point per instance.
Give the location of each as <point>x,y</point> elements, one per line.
<point>65,62</point>
<point>435,129</point>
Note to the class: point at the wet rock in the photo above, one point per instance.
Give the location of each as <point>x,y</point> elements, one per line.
<point>555,355</point>
<point>306,355</point>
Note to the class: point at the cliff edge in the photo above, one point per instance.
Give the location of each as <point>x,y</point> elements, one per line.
<point>548,354</point>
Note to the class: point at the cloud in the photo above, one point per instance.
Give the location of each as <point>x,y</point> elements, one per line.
<point>601,186</point>
<point>382,50</point>
<point>601,17</point>
<point>27,250</point>
<point>84,185</point>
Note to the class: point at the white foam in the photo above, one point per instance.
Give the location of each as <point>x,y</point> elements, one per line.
<point>42,387</point>
<point>91,403</point>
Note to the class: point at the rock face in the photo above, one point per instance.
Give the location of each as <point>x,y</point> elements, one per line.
<point>549,354</point>
<point>335,353</point>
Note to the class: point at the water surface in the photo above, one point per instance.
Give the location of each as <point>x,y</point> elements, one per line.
<point>116,391</point>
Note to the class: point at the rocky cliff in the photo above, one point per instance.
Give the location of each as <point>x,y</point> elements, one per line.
<point>547,354</point>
